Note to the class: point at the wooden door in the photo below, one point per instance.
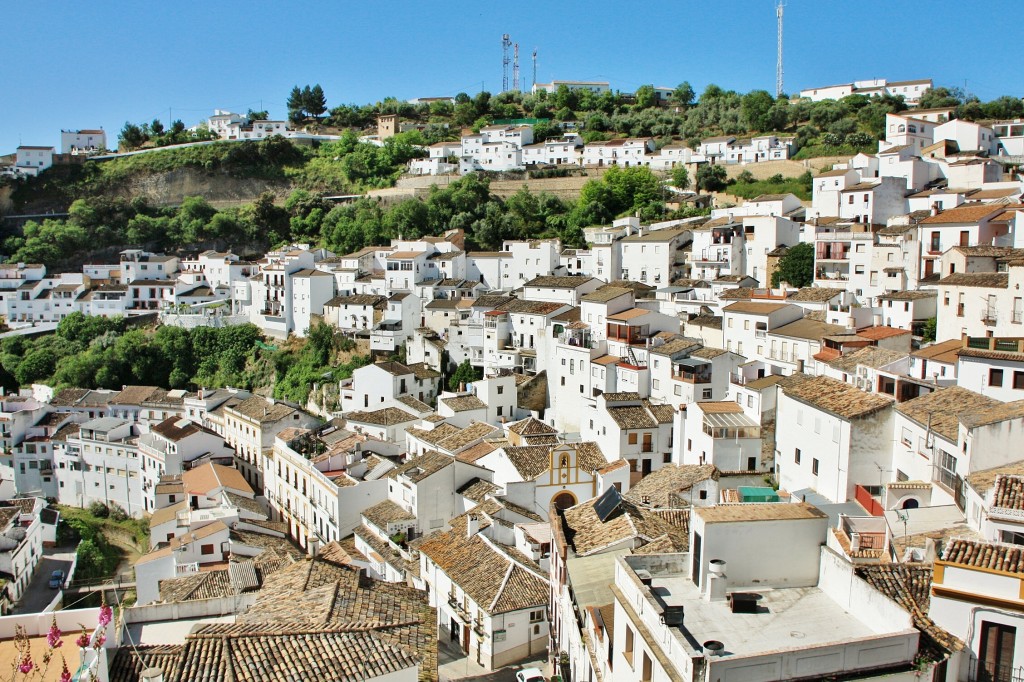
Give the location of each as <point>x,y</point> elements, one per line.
<point>996,656</point>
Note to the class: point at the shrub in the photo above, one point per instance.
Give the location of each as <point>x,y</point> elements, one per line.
<point>99,510</point>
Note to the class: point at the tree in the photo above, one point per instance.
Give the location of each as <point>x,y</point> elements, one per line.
<point>756,108</point>
<point>315,103</point>
<point>680,177</point>
<point>463,375</point>
<point>711,177</point>
<point>644,97</point>
<point>933,98</point>
<point>929,330</point>
<point>156,127</point>
<point>131,136</point>
<point>796,267</point>
<point>296,105</point>
<point>257,115</point>
<point>683,95</point>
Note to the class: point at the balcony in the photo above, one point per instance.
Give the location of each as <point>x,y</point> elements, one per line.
<point>980,671</point>
<point>693,377</point>
<point>831,276</point>
<point>783,356</point>
<point>989,318</point>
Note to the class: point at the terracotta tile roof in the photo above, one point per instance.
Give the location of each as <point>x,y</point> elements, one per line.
<point>477,489</point>
<point>471,455</point>
<point>272,652</point>
<point>386,416</point>
<point>879,333</point>
<point>984,480</point>
<point>753,308</point>
<point>816,294</point>
<point>261,410</point>
<point>663,414</point>
<point>710,321</point>
<point>908,295</point>
<point>632,417</point>
<point>837,397</point>
<point>418,468</point>
<point>1009,492</point>
<point>970,213</point>
<point>680,345</point>
<point>129,662</point>
<point>421,371</point>
<point>518,307</point>
<point>759,511</point>
<point>207,477</point>
<point>627,522</point>
<point>360,300</point>
<point>993,414</point>
<point>604,294</point>
<point>133,395</point>
<point>945,351</point>
<point>869,356</point>
<point>178,428</point>
<point>666,486</point>
<point>737,294</point>
<point>383,513</point>
<point>489,575</point>
<point>992,555</point>
<point>165,514</point>
<point>943,408</point>
<point>909,585</point>
<point>531,427</point>
<point>807,328</point>
<point>559,282</point>
<point>630,314</point>
<point>464,403</point>
<point>993,280</point>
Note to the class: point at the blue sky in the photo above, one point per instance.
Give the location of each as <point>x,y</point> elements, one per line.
<point>101,63</point>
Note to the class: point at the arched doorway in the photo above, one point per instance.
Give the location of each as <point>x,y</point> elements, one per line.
<point>564,500</point>
<point>910,503</point>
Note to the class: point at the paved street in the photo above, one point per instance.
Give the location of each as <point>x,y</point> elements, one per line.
<point>452,664</point>
<point>39,595</point>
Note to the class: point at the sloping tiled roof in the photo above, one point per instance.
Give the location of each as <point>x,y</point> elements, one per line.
<point>383,513</point>
<point>976,554</point>
<point>418,468</point>
<point>942,408</point>
<point>209,476</point>
<point>869,356</point>
<point>626,522</point>
<point>816,294</point>
<point>386,416</point>
<point>909,585</point>
<point>992,280</point>
<point>1009,492</point>
<point>491,578</point>
<point>129,662</point>
<point>970,213</point>
<point>660,488</point>
<point>837,397</point>
<point>753,307</point>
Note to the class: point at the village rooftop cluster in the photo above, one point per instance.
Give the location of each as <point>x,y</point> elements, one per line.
<point>671,469</point>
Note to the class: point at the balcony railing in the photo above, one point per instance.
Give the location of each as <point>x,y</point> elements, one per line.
<point>693,377</point>
<point>783,356</point>
<point>989,317</point>
<point>979,671</point>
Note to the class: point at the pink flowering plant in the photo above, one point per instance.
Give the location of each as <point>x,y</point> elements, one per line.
<point>24,667</point>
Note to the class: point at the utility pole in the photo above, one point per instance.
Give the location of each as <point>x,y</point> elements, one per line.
<point>506,43</point>
<point>778,66</point>
<point>534,66</point>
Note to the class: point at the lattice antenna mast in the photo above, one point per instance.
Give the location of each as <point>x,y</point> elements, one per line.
<point>505,44</point>
<point>778,66</point>
<point>534,66</point>
<point>515,67</point>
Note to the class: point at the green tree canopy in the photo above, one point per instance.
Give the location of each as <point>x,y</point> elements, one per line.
<point>796,267</point>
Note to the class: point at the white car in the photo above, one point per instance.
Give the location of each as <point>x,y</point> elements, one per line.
<point>530,675</point>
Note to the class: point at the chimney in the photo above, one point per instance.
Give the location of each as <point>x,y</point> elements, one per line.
<point>472,525</point>
<point>935,208</point>
<point>717,581</point>
<point>152,675</point>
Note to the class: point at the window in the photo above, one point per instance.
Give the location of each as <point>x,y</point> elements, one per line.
<point>632,439</point>
<point>796,455</point>
<point>206,550</point>
<point>536,616</point>
<point>905,437</point>
<point>627,650</point>
<point>995,377</point>
<point>501,389</point>
<point>703,494</point>
<point>1018,381</point>
<point>814,467</point>
<point>706,394</point>
<point>947,470</point>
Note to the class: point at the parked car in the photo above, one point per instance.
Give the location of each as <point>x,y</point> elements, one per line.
<point>530,675</point>
<point>57,579</point>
